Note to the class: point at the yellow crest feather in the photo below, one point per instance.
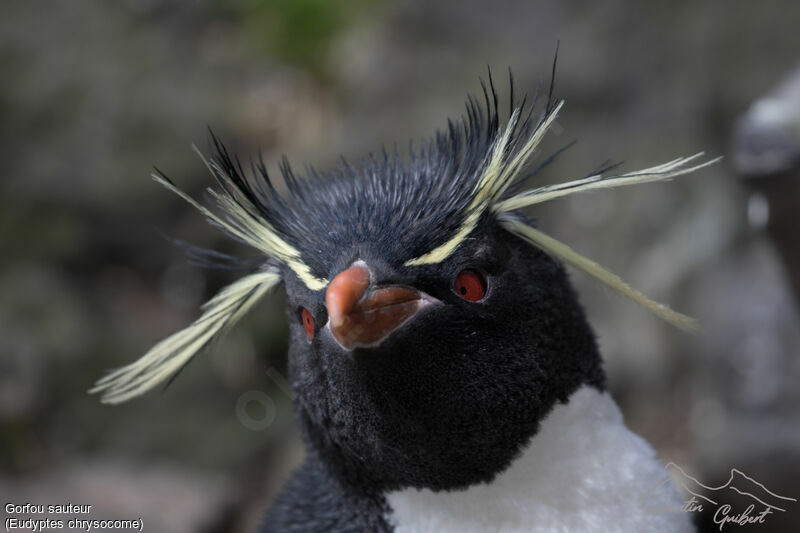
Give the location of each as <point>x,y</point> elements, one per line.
<point>498,174</point>
<point>168,356</point>
<point>573,258</point>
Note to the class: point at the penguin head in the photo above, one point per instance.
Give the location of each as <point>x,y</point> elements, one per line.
<point>440,338</point>
<point>433,325</point>
<point>431,375</point>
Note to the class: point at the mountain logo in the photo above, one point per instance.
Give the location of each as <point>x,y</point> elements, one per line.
<point>741,500</point>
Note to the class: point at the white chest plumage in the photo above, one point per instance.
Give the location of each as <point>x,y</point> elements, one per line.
<point>583,471</point>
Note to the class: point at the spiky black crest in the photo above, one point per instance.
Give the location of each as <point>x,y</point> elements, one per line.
<point>403,204</point>
<point>415,209</point>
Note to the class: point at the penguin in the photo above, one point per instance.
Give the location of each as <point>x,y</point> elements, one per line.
<point>444,373</point>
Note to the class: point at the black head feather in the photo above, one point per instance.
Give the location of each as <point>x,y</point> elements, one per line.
<point>414,218</point>
<point>401,204</point>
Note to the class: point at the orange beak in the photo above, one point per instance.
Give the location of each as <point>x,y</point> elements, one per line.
<point>361,316</point>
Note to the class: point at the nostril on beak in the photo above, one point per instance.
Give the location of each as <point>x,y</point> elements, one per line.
<point>344,293</point>
<point>360,315</point>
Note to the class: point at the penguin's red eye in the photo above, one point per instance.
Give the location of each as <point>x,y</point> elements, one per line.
<point>308,322</point>
<point>470,285</point>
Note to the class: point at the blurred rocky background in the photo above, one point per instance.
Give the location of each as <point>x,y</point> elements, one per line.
<point>93,94</point>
